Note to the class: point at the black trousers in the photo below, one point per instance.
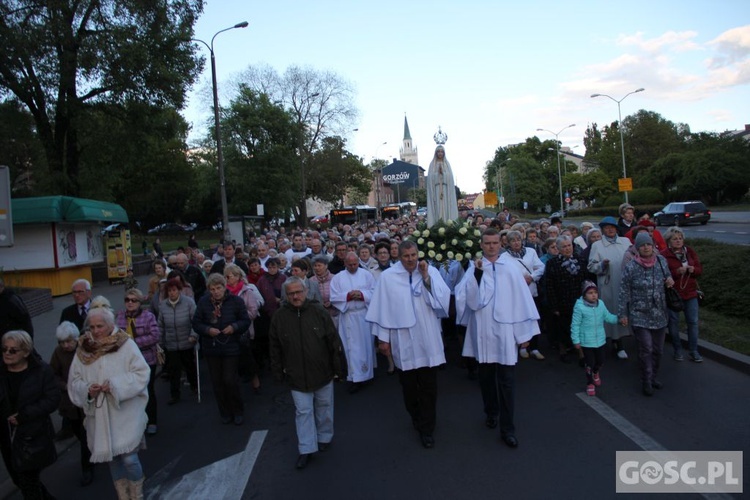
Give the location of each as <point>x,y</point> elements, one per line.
<point>497,383</point>
<point>151,407</point>
<point>226,384</point>
<point>177,362</point>
<point>76,425</point>
<point>593,357</point>
<point>419,387</point>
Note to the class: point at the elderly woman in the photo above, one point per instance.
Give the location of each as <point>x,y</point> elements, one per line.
<point>627,219</point>
<point>237,285</point>
<point>72,417</point>
<point>605,261</point>
<point>366,260</point>
<point>220,319</point>
<point>592,236</point>
<point>532,269</point>
<point>160,273</point>
<point>28,394</point>
<point>141,326</point>
<point>685,267</point>
<point>176,335</point>
<point>108,380</point>
<point>564,278</point>
<point>643,306</point>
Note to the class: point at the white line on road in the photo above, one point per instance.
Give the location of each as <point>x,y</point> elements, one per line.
<point>214,481</point>
<point>640,438</point>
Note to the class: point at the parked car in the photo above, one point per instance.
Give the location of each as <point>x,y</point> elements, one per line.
<point>679,213</point>
<point>320,219</point>
<point>422,211</point>
<point>168,228</point>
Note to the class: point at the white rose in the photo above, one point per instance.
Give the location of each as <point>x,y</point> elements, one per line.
<point>420,241</point>
<point>431,254</point>
<point>462,230</point>
<point>416,233</point>
<point>459,257</point>
<point>441,231</point>
<point>468,255</point>
<point>426,233</point>
<point>443,246</point>
<point>430,244</point>
<point>454,242</point>
<point>421,254</point>
<point>469,243</point>
<point>478,255</point>
<point>439,257</point>
<point>451,255</point>
<point>477,233</point>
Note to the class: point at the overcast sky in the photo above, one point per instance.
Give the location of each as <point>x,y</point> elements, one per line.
<point>492,72</point>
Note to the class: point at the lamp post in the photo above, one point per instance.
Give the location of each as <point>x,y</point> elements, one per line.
<point>559,172</point>
<point>499,184</point>
<point>219,155</point>
<point>302,126</point>
<point>378,177</point>
<point>619,125</point>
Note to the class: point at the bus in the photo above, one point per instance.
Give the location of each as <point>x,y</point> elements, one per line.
<point>398,210</point>
<point>353,214</point>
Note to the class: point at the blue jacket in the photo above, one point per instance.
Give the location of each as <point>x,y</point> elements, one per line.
<point>587,327</point>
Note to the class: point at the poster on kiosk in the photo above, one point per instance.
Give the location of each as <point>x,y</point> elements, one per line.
<point>119,255</point>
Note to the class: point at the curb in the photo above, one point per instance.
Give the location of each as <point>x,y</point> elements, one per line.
<point>735,360</point>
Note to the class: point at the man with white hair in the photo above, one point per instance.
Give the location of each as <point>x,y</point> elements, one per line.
<point>77,312</point>
<point>351,291</point>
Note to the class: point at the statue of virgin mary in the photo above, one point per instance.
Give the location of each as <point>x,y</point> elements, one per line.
<point>441,190</point>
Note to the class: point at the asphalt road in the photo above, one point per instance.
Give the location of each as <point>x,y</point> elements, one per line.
<point>567,448</point>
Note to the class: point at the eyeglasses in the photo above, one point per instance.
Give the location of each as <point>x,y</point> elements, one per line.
<point>10,350</point>
<point>131,300</point>
<point>78,292</point>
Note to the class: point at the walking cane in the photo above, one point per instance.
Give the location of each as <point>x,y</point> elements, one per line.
<point>197,369</point>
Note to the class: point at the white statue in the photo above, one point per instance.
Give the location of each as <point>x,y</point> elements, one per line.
<point>441,190</point>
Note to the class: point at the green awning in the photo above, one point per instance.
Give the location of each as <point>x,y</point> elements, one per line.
<point>65,209</point>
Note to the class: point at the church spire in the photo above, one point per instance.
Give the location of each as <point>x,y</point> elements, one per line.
<point>408,151</point>
<point>407,135</point>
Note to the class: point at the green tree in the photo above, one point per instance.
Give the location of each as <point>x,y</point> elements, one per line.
<point>60,57</point>
<point>334,173</point>
<point>20,148</point>
<point>322,104</point>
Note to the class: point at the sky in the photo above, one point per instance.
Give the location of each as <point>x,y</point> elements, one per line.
<point>491,73</point>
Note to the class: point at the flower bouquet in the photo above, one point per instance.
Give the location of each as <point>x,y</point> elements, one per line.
<point>446,241</point>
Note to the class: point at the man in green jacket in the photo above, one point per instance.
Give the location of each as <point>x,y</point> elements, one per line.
<point>306,353</point>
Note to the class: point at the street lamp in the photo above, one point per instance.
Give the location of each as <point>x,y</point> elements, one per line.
<point>499,184</point>
<point>302,126</point>
<point>219,156</point>
<point>378,176</point>
<point>619,125</point>
<point>559,172</point>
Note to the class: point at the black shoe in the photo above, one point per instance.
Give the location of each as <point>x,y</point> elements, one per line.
<point>656,384</point>
<point>323,446</point>
<point>491,421</point>
<point>354,387</point>
<point>87,477</point>
<point>427,440</point>
<point>648,389</point>
<point>302,461</point>
<point>510,440</point>
<point>238,420</point>
<point>173,400</point>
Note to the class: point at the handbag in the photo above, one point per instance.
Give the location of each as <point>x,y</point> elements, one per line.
<point>160,357</point>
<point>32,445</point>
<point>701,296</point>
<point>674,301</point>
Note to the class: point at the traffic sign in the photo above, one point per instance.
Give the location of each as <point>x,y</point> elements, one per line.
<point>567,200</point>
<point>625,184</point>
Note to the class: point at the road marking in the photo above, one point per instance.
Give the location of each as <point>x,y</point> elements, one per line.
<point>211,481</point>
<point>640,438</point>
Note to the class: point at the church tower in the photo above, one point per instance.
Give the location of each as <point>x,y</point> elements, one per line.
<point>408,152</point>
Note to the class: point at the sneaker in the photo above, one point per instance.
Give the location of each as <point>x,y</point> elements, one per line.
<point>524,353</point>
<point>538,355</point>
<point>591,390</point>
<point>697,358</point>
<point>151,430</point>
<point>622,354</point>
<point>679,357</point>
<point>597,379</point>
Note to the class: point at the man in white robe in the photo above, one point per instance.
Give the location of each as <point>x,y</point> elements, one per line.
<point>407,305</point>
<point>495,304</point>
<point>351,292</point>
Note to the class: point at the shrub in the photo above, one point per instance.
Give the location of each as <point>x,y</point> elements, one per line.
<point>725,279</point>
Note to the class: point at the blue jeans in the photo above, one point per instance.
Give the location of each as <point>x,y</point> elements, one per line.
<point>126,466</point>
<point>690,308</point>
<point>314,418</point>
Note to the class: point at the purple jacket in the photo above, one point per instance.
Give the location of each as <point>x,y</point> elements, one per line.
<point>146,333</point>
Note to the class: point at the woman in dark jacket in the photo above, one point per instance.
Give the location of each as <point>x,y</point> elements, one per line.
<point>28,394</point>
<point>220,319</point>
<point>685,268</point>
<point>564,277</point>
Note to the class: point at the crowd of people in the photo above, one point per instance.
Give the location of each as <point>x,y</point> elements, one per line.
<point>317,306</point>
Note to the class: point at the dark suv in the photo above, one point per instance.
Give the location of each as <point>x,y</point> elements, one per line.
<point>679,213</point>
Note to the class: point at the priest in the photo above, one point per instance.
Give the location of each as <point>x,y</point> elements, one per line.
<point>407,305</point>
<point>351,291</point>
<point>495,304</point>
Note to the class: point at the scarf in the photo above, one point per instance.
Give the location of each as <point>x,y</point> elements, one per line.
<point>217,306</point>
<point>236,289</point>
<point>570,264</point>
<point>131,323</point>
<point>517,255</point>
<point>612,240</point>
<point>91,349</point>
<point>681,255</point>
<point>646,262</point>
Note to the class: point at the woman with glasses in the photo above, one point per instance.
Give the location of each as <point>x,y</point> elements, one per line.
<point>28,394</point>
<point>108,380</point>
<point>141,326</point>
